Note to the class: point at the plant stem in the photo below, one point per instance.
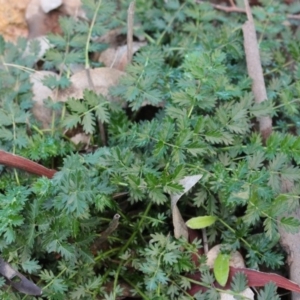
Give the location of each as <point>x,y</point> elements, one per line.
<point>62,272</point>
<point>169,24</point>
<point>242,239</point>
<point>124,248</point>
<point>136,288</point>
<point>87,64</point>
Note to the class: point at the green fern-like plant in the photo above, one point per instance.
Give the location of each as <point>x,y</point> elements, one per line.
<point>193,74</point>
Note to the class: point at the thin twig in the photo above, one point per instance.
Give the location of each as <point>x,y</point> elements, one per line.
<point>232,3</point>
<point>130,22</point>
<point>205,242</point>
<point>112,226</point>
<point>229,9</point>
<point>255,70</point>
<point>236,9</point>
<point>248,12</point>
<point>295,17</point>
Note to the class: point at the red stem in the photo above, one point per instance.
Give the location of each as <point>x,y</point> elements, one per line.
<point>19,162</point>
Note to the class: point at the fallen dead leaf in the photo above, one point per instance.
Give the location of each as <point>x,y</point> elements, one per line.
<point>39,23</point>
<point>81,138</point>
<point>101,80</point>
<point>73,8</point>
<point>187,182</point>
<point>42,15</point>
<point>180,228</point>
<point>236,259</point>
<point>116,57</point>
<point>40,93</point>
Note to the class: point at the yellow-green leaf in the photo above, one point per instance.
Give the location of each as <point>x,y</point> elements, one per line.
<point>201,222</point>
<point>221,268</point>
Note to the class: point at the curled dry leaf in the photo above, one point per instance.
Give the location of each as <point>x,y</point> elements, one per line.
<point>116,57</point>
<point>187,182</point>
<point>180,228</point>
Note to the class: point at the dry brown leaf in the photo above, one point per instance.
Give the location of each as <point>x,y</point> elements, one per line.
<point>42,15</point>
<point>39,23</point>
<point>236,259</point>
<point>187,182</point>
<point>102,79</point>
<point>180,228</point>
<point>81,138</point>
<point>117,57</point>
<point>40,93</point>
<point>112,37</point>
<point>99,80</point>
<point>73,8</point>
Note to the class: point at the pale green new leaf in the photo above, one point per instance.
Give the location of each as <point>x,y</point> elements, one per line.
<point>221,268</point>
<point>201,222</point>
